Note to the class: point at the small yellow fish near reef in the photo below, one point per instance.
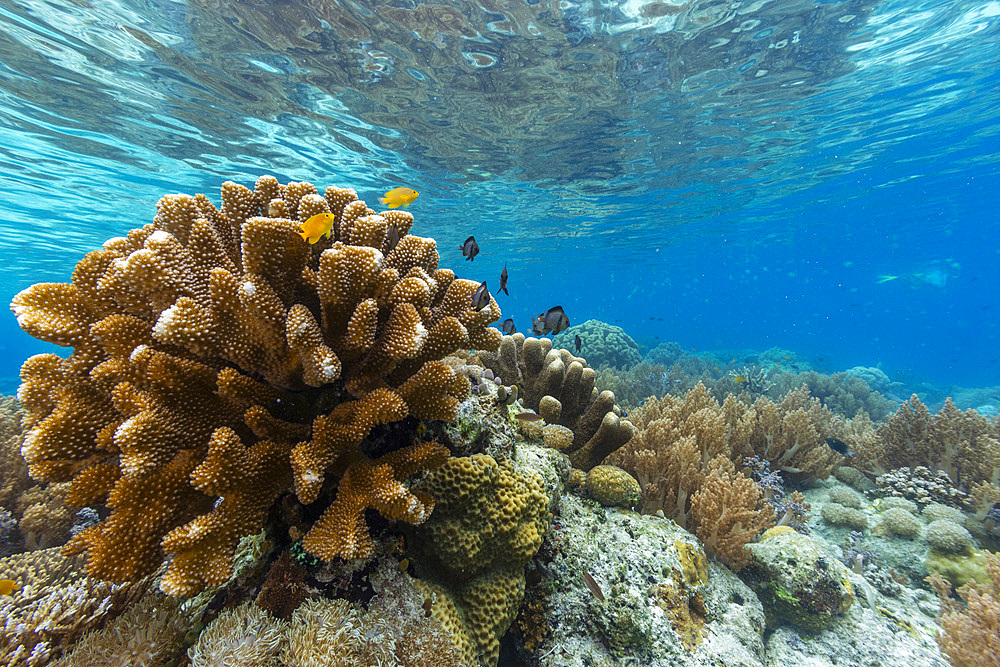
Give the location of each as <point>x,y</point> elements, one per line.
<point>398,197</point>
<point>8,586</point>
<point>317,227</point>
<point>739,379</point>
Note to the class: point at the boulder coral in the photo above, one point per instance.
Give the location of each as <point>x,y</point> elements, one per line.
<point>218,359</point>
<point>601,343</point>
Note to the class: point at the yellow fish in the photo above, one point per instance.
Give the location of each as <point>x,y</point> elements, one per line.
<point>8,586</point>
<point>317,227</point>
<point>739,379</point>
<point>398,197</point>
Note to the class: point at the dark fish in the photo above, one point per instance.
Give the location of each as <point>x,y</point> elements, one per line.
<point>503,280</point>
<point>592,585</point>
<point>470,248</point>
<point>508,326</point>
<point>839,446</point>
<point>556,320</point>
<point>392,239</point>
<point>538,325</point>
<point>481,297</point>
<point>577,343</point>
<point>527,417</point>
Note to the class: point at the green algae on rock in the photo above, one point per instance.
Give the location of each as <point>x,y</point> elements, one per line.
<point>796,581</point>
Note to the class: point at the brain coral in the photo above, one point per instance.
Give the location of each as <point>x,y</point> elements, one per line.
<point>218,358</point>
<point>602,343</point>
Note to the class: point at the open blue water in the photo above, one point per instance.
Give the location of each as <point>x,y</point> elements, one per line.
<point>723,174</point>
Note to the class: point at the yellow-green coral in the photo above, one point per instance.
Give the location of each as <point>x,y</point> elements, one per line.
<point>488,521</point>
<point>612,487</point>
<point>217,357</point>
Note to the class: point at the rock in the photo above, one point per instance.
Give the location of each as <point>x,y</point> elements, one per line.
<point>657,601</point>
<point>796,581</point>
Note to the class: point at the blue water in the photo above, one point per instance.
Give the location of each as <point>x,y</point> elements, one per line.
<point>725,175</point>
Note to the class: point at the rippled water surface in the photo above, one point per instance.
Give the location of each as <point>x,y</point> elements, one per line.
<point>723,174</point>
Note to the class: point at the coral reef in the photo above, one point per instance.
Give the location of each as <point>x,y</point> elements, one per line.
<point>218,357</point>
<point>602,344</point>
<point>965,445</point>
<point>681,435</point>
<point>560,387</point>
<point>664,602</point>
<point>843,393</point>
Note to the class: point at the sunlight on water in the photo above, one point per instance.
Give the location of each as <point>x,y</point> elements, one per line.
<point>682,145</point>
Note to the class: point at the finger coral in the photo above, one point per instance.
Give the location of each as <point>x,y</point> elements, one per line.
<point>218,358</point>
<point>560,387</point>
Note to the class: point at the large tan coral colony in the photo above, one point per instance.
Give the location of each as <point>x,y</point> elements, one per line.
<point>218,358</point>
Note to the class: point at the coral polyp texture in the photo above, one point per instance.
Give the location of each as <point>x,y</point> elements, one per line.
<point>218,359</point>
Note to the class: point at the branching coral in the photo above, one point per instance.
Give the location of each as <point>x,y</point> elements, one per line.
<point>681,441</point>
<point>561,388</point>
<point>965,445</point>
<point>218,357</point>
<point>970,633</point>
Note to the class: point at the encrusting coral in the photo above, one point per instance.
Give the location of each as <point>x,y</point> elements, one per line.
<point>219,358</point>
<point>561,388</point>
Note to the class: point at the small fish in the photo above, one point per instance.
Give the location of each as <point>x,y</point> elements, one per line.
<point>9,586</point>
<point>503,280</point>
<point>739,379</point>
<point>404,564</point>
<point>538,324</point>
<point>317,227</point>
<point>555,320</point>
<point>527,417</point>
<point>786,357</point>
<point>481,297</point>
<point>470,248</point>
<point>392,239</point>
<point>427,607</point>
<point>577,343</point>
<point>592,585</point>
<point>839,446</point>
<point>884,279</point>
<point>398,197</point>
<point>508,326</point>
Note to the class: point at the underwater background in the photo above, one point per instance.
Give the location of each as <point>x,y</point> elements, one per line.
<point>817,177</point>
<point>750,417</point>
